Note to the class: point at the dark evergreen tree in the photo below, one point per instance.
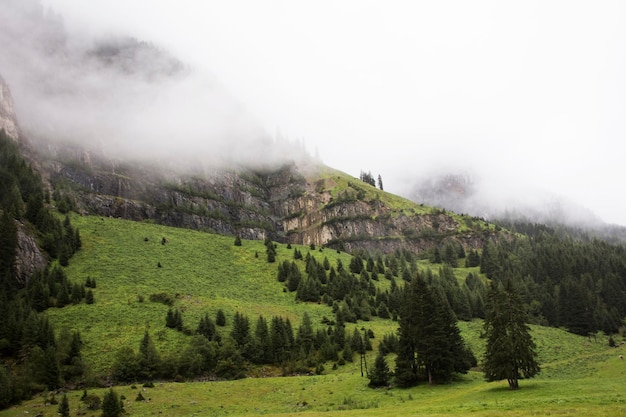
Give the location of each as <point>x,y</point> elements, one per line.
<point>510,352</point>
<point>262,345</point>
<point>126,366</point>
<point>380,182</point>
<point>89,298</point>
<point>241,330</point>
<point>380,375</point>
<point>52,369</point>
<point>220,318</point>
<point>206,328</point>
<point>6,388</point>
<point>64,407</point>
<point>148,357</point>
<point>305,337</point>
<point>430,342</point>
<point>270,250</point>
<point>111,404</point>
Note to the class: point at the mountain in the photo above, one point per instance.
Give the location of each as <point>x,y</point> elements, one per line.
<point>466,192</point>
<point>123,129</point>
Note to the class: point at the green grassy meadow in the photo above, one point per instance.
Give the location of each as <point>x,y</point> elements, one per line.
<point>206,272</point>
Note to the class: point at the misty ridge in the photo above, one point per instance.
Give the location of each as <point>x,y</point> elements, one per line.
<point>124,99</point>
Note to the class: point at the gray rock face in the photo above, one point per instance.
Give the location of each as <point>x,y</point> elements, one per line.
<point>29,257</point>
<point>287,203</point>
<point>8,121</point>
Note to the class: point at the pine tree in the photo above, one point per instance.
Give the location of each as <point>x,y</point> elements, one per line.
<point>64,407</point>
<point>380,375</point>
<point>220,318</point>
<point>89,298</point>
<point>510,352</point>
<point>241,330</point>
<point>111,404</point>
<point>52,369</point>
<point>149,359</point>
<point>262,343</point>
<point>430,343</point>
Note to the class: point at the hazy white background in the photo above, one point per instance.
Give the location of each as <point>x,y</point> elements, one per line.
<point>523,94</point>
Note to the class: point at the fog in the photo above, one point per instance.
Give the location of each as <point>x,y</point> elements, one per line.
<point>527,98</point>
<point>123,97</point>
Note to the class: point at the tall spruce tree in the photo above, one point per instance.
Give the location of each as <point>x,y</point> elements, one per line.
<point>380,375</point>
<point>111,404</point>
<point>510,352</point>
<point>149,358</point>
<point>430,343</point>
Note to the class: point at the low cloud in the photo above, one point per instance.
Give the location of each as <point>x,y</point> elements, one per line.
<point>121,97</point>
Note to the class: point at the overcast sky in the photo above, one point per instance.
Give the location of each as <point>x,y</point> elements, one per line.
<point>519,93</point>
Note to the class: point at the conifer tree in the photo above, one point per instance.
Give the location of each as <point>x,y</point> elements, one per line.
<point>220,318</point>
<point>149,358</point>
<point>380,375</point>
<point>430,343</point>
<point>89,298</point>
<point>111,404</point>
<point>64,407</point>
<point>241,330</point>
<point>510,352</point>
<point>5,388</point>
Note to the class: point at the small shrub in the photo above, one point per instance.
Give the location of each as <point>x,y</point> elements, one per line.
<point>163,298</point>
<point>92,402</point>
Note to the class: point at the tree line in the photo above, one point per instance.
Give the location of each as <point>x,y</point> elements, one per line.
<point>32,357</point>
<point>564,282</point>
<point>215,353</point>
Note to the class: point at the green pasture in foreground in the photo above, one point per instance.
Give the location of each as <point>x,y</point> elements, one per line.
<point>598,393</point>
<point>207,272</point>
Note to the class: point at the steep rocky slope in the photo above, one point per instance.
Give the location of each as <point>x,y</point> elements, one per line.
<point>8,121</point>
<point>305,203</point>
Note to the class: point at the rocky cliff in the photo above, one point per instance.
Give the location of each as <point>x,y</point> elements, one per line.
<point>8,121</point>
<point>305,203</point>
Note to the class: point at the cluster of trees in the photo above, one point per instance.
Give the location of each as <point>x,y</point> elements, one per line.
<point>367,177</point>
<point>212,353</point>
<point>430,344</point>
<point>563,282</point>
<point>46,362</point>
<point>32,358</point>
<point>111,404</point>
<point>51,288</point>
<point>352,291</point>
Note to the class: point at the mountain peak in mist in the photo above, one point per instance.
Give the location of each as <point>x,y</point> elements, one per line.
<point>465,192</point>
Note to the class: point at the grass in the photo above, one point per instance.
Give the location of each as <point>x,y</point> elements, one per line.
<point>206,272</point>
<point>202,272</point>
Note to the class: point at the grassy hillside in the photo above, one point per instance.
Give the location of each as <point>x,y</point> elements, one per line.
<point>202,272</point>
<point>206,272</point>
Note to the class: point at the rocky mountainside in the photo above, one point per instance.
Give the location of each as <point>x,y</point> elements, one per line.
<point>120,128</point>
<point>305,203</point>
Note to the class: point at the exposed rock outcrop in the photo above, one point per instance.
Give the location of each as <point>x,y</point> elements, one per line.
<point>28,258</point>
<point>8,120</point>
<point>288,204</point>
